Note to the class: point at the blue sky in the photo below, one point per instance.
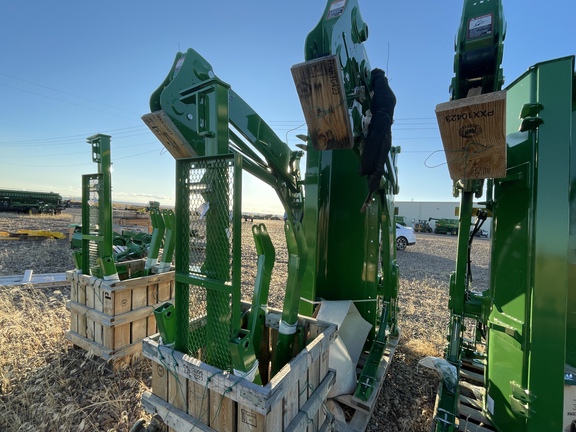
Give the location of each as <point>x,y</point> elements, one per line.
<point>71,69</point>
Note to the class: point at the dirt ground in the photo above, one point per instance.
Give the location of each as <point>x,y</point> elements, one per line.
<point>47,384</point>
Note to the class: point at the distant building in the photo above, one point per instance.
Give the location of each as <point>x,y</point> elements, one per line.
<point>414,211</point>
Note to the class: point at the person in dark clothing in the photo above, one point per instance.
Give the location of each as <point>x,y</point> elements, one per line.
<point>379,138</point>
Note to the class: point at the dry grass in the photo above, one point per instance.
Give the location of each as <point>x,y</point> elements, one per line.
<point>46,384</point>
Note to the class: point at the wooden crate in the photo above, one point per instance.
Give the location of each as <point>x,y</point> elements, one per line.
<point>473,132</point>
<point>191,395</point>
<point>110,318</point>
<point>321,92</point>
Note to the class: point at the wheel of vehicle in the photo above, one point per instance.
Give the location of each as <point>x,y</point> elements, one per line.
<point>401,243</point>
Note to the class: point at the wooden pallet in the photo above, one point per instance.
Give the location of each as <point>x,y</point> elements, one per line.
<point>362,410</point>
<point>472,395</point>
<point>189,394</point>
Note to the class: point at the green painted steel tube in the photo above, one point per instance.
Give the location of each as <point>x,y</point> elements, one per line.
<point>158,228</point>
<point>297,254</point>
<point>169,219</point>
<point>97,234</point>
<point>266,258</point>
<point>182,288</point>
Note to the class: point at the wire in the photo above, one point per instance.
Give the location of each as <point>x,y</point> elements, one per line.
<point>432,154</point>
<point>71,138</point>
<point>116,148</point>
<point>66,102</point>
<point>67,93</point>
<point>81,164</point>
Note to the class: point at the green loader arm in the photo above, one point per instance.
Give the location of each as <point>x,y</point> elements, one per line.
<point>185,98</point>
<point>477,60</point>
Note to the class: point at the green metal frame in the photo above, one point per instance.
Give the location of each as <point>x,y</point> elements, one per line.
<point>97,235</point>
<point>531,322</point>
<point>169,240</point>
<point>158,228</point>
<point>209,280</point>
<point>527,315</point>
<point>333,224</point>
<point>479,49</point>
<point>213,123</point>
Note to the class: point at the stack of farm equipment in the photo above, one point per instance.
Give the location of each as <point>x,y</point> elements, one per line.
<point>510,363</point>
<point>113,298</point>
<point>229,364</point>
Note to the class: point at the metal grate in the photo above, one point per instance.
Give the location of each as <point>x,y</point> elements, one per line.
<point>91,229</point>
<point>94,217</point>
<point>207,221</point>
<point>210,211</point>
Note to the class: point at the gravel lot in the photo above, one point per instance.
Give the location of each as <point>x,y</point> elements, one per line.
<point>405,404</point>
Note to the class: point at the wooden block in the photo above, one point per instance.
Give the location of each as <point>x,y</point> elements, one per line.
<point>82,317</point>
<point>72,276</point>
<point>177,390</point>
<point>324,358</point>
<point>90,304</point>
<point>302,390</point>
<point>121,336</point>
<point>274,418</point>
<point>250,420</point>
<point>313,382</point>
<point>160,381</point>
<point>98,306</point>
<point>290,402</point>
<point>122,301</point>
<point>152,299</point>
<point>473,132</point>
<point>321,92</point>
<point>74,321</point>
<point>151,326</point>
<point>169,135</point>
<point>139,301</point>
<point>222,413</point>
<point>122,304</point>
<point>163,292</point>
<point>198,401</point>
<point>108,303</point>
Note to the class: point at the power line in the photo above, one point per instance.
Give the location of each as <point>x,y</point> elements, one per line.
<point>65,101</point>
<point>67,93</point>
<point>66,141</point>
<point>114,149</point>
<point>77,164</point>
<point>75,136</point>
